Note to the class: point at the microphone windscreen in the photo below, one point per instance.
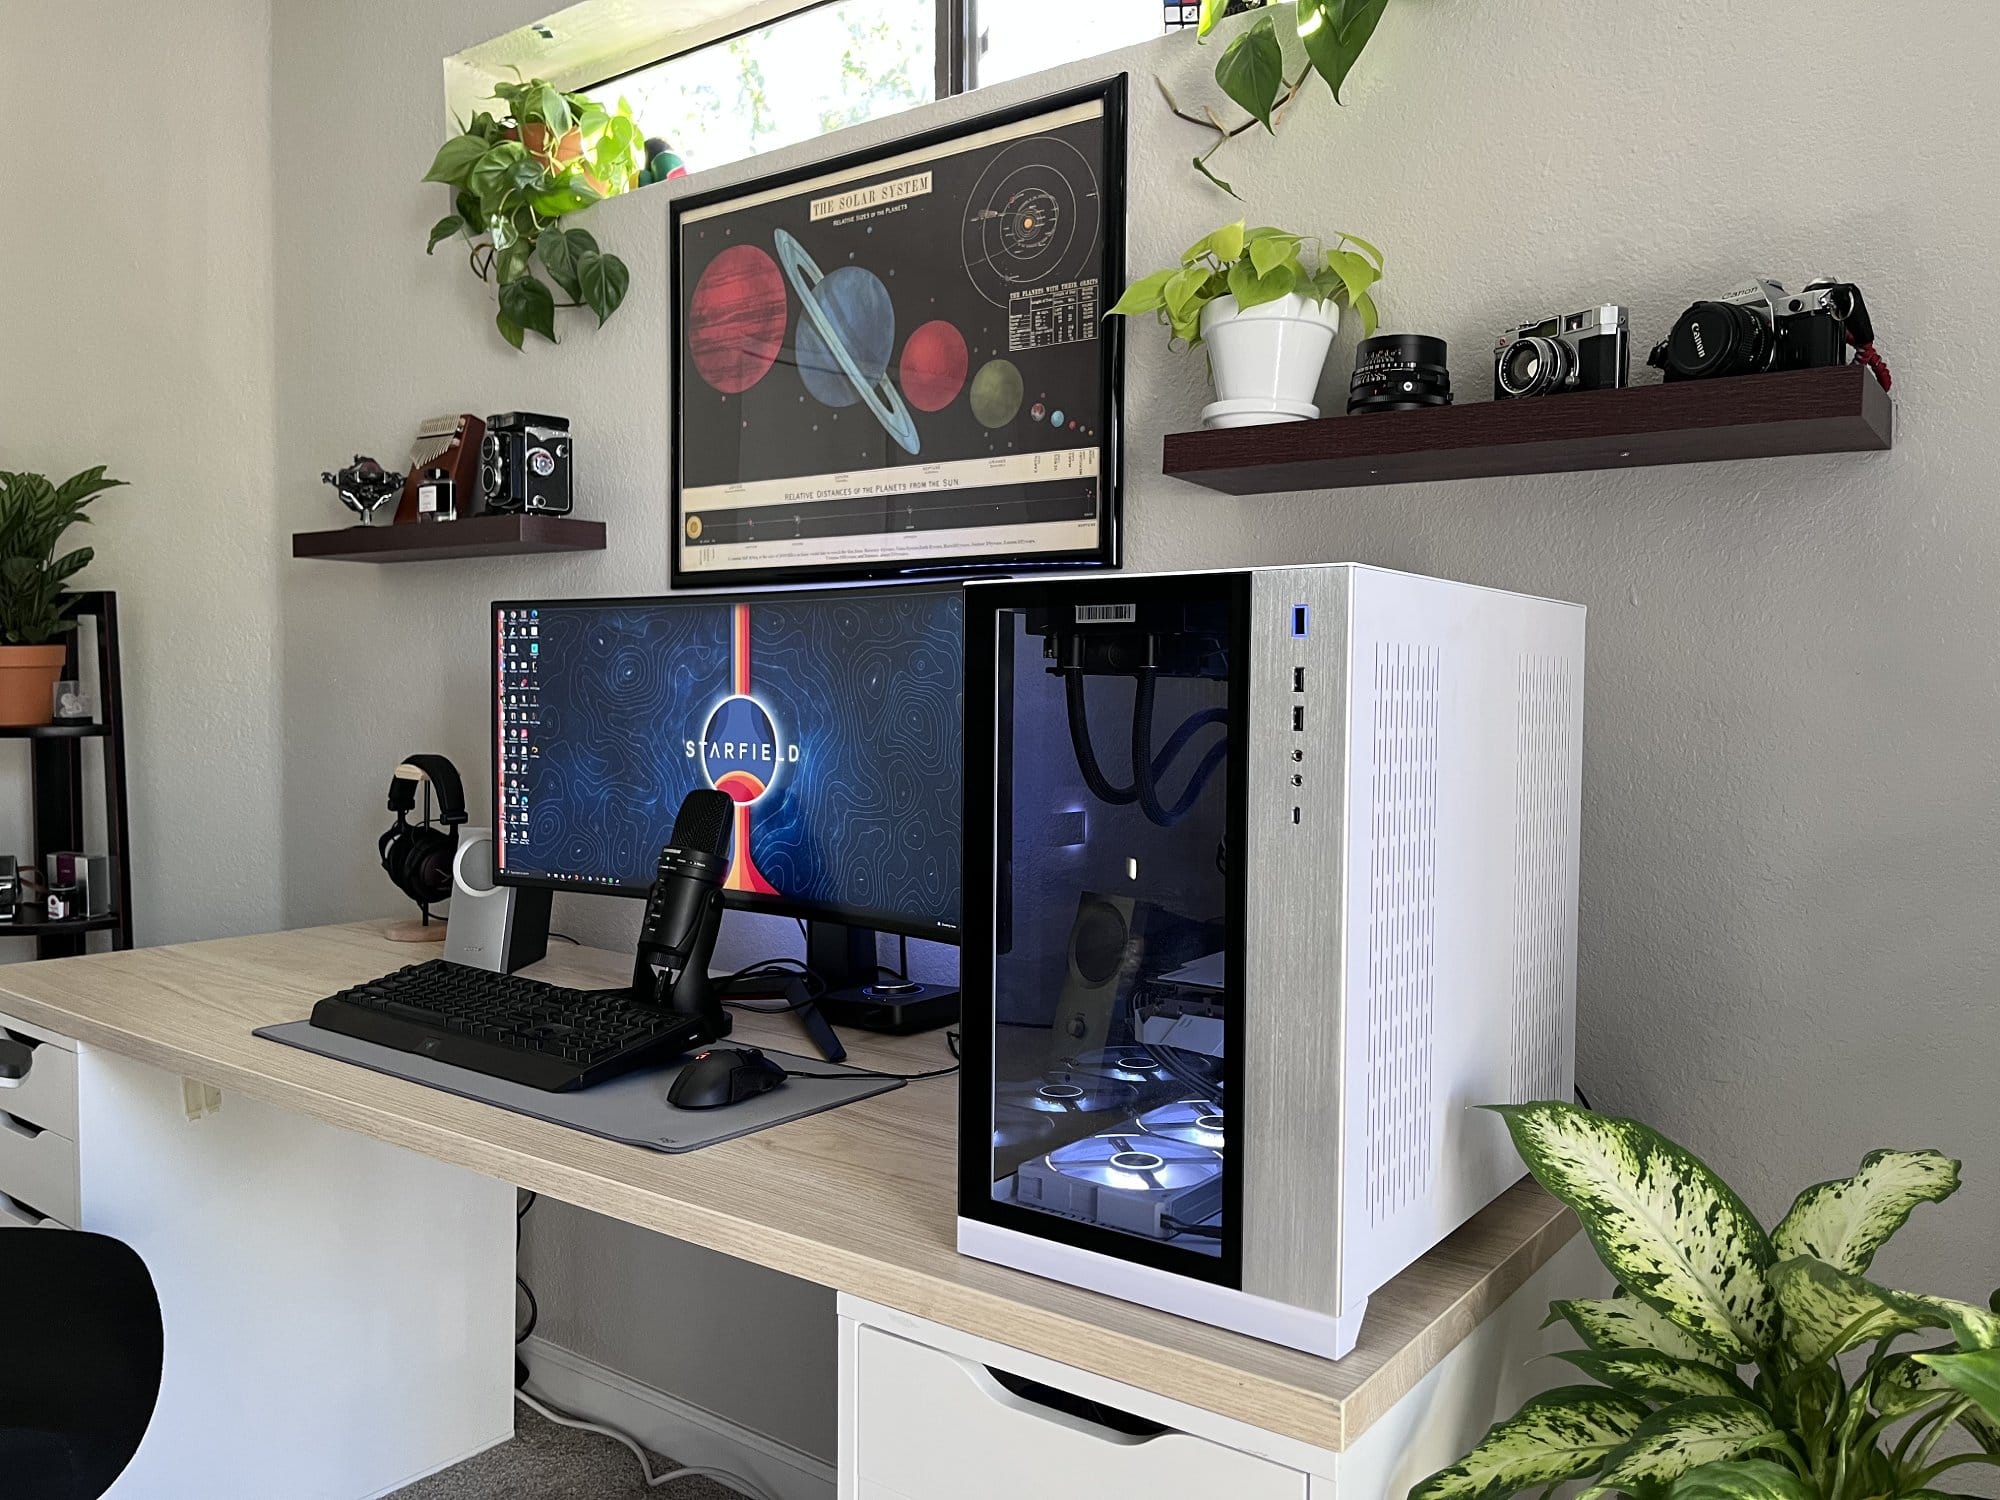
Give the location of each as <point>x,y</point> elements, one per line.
<point>703,822</point>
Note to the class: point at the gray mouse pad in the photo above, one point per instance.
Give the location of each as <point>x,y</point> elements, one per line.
<point>632,1109</point>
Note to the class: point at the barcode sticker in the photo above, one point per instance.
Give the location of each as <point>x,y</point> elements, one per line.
<point>1106,614</point>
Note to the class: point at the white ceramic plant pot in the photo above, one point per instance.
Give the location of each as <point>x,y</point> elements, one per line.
<point>1266,360</point>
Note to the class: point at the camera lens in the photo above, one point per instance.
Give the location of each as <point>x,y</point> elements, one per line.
<point>1718,338</point>
<point>1535,366</point>
<point>1399,372</point>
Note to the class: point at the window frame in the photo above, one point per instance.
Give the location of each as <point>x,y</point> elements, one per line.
<point>954,37</point>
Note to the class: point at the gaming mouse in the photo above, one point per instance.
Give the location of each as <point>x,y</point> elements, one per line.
<point>723,1075</point>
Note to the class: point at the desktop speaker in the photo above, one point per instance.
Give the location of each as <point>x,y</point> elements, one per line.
<point>493,927</point>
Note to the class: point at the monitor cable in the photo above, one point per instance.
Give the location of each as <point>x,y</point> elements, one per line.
<point>525,1331</point>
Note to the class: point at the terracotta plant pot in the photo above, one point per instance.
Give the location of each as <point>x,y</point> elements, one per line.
<point>535,136</point>
<point>28,677</point>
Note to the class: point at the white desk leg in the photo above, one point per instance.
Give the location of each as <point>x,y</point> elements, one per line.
<point>339,1312</point>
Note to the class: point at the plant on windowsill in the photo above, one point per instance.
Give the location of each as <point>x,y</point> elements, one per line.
<point>516,179</point>
<point>1265,303</point>
<point>1705,1295</point>
<point>1251,70</point>
<point>34,604</point>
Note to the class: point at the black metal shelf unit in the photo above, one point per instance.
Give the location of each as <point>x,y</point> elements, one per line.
<point>56,768</point>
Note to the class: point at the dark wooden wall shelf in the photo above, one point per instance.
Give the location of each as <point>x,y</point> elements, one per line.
<point>1697,421</point>
<point>470,536</point>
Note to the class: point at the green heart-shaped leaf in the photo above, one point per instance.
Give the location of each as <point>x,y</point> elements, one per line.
<point>603,280</point>
<point>529,304</point>
<point>455,159</point>
<point>1252,70</point>
<point>444,229</point>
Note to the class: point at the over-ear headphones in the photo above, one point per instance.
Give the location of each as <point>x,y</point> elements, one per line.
<point>418,856</point>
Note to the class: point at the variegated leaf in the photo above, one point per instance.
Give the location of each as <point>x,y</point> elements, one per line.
<point>1844,1222</point>
<point>1667,1227</point>
<point>1560,1435</point>
<point>1973,1327</point>
<point>1973,1373</point>
<point>1667,1444</point>
<point>1653,1376</point>
<point>1828,1312</point>
<point>1627,1323</point>
<point>1741,1479</point>
<point>1902,1386</point>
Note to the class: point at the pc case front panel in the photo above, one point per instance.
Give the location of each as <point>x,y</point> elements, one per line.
<point>1104,917</point>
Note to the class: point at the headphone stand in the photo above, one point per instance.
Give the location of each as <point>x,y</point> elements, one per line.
<point>414,930</point>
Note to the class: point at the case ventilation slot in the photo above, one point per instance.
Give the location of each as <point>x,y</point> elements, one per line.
<point>1543,917</point>
<point>1402,937</point>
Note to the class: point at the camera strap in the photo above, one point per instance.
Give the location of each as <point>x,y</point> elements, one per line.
<point>1852,310</point>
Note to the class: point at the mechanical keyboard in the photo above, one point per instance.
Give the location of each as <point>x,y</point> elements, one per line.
<point>508,1027</point>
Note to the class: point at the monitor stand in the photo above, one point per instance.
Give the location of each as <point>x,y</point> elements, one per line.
<point>858,994</point>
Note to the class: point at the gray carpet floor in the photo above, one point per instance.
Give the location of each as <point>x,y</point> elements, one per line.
<point>547,1462</point>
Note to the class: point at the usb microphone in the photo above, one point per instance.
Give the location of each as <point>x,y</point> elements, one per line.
<point>684,913</point>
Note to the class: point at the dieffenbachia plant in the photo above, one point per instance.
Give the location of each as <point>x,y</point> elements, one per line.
<point>1720,1359</point>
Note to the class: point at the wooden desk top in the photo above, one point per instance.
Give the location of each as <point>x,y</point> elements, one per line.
<point>860,1199</point>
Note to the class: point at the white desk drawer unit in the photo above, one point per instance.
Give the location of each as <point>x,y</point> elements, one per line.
<point>38,1160</point>
<point>929,1423</point>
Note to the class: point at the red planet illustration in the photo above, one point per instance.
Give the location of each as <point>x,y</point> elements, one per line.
<point>736,319</point>
<point>934,364</point>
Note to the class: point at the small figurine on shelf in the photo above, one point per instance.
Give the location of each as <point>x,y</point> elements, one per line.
<point>73,702</point>
<point>365,487</point>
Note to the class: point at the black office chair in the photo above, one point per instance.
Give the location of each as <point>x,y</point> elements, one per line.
<point>80,1354</point>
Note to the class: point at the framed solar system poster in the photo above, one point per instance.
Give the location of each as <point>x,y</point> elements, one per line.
<point>897,363</point>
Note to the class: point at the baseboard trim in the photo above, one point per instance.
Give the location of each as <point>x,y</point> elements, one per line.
<point>667,1424</point>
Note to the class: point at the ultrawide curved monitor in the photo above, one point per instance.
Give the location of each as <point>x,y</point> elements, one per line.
<point>831,717</point>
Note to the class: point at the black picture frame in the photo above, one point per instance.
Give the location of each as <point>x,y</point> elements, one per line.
<point>1105,550</point>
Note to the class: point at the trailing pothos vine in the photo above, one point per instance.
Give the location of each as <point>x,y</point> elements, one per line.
<point>1720,1359</point>
<point>1251,70</point>
<point>515,179</point>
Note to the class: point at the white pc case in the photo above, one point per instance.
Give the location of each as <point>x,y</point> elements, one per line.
<point>1278,885</point>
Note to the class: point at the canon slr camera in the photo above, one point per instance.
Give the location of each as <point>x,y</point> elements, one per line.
<point>1764,327</point>
<point>1580,351</point>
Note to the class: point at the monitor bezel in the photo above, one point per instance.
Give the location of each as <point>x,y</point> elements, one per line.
<point>808,911</point>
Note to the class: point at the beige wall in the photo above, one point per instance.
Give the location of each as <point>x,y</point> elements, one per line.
<point>1789,947</point>
<point>136,269</point>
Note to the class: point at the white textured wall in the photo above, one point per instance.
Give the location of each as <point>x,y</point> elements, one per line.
<point>136,271</point>
<point>1789,946</point>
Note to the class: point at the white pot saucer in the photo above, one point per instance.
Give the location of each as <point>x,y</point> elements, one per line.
<point>1256,412</point>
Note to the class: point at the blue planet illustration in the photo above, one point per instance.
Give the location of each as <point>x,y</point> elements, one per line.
<point>846,338</point>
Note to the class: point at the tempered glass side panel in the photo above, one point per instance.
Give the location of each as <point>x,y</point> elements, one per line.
<point>1113,942</point>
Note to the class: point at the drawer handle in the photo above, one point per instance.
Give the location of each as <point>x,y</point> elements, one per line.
<point>13,1210</point>
<point>17,1127</point>
<point>1047,1404</point>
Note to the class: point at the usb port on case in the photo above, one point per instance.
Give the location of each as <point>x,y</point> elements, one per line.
<point>1298,679</point>
<point>1299,718</point>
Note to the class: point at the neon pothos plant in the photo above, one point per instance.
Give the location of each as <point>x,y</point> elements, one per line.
<point>514,180</point>
<point>1720,1357</point>
<point>1251,70</point>
<point>1255,266</point>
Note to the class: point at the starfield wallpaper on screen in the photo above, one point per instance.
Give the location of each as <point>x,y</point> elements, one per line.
<point>833,723</point>
<point>905,348</point>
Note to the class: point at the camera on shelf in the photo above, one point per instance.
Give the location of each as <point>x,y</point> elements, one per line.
<point>524,463</point>
<point>1399,372</point>
<point>1580,351</point>
<point>1764,327</point>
